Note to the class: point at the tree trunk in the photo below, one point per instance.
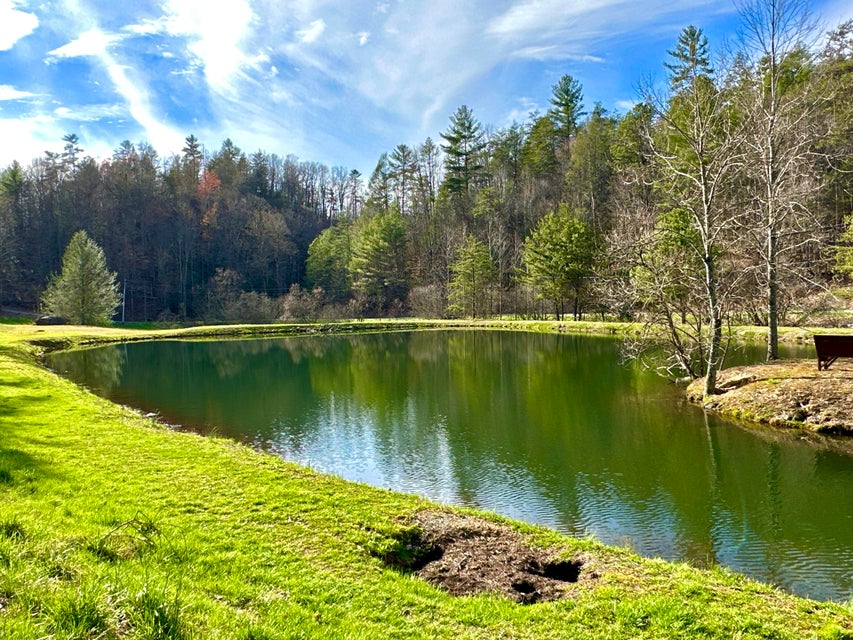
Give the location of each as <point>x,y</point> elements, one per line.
<point>713,364</point>
<point>772,297</point>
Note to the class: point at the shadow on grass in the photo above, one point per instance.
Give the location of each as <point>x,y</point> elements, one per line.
<point>18,467</point>
<point>20,404</point>
<point>15,384</point>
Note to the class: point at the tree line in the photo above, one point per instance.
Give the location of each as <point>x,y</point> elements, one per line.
<point>722,196</point>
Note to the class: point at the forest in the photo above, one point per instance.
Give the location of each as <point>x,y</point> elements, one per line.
<point>722,196</point>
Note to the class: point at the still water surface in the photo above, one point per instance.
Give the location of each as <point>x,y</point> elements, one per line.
<point>548,429</point>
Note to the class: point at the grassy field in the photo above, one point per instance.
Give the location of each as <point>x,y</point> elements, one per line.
<point>112,526</point>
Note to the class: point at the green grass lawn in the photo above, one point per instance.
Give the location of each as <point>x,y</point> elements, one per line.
<point>112,526</point>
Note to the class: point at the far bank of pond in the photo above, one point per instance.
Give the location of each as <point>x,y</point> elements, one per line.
<point>546,428</point>
<point>786,394</point>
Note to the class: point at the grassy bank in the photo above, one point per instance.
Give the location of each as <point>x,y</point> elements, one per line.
<point>112,526</point>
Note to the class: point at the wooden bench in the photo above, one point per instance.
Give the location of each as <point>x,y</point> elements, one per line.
<point>830,348</point>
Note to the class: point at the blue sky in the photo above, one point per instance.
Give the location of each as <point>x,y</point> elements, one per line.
<point>332,82</point>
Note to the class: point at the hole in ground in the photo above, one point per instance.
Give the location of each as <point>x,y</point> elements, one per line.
<point>562,570</point>
<point>466,555</point>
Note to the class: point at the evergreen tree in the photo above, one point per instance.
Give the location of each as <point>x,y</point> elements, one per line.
<point>689,59</point>
<point>378,259</point>
<point>567,100</point>
<point>590,170</point>
<point>463,164</point>
<point>472,273</point>
<point>328,262</point>
<point>85,291</point>
<point>559,255</point>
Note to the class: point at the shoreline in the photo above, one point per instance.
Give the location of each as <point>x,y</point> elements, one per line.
<point>786,394</point>
<point>264,547</point>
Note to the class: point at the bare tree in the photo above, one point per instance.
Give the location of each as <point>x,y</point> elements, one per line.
<point>780,142</point>
<point>694,143</point>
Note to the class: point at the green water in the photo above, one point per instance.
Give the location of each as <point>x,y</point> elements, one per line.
<point>548,429</point>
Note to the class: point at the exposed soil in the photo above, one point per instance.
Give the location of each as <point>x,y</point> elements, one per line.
<point>787,394</point>
<point>466,555</point>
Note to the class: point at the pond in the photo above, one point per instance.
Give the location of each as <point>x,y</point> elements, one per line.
<point>548,429</point>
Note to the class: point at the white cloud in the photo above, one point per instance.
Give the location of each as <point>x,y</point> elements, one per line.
<point>626,105</point>
<point>14,24</point>
<point>537,16</point>
<point>214,37</point>
<point>93,42</point>
<point>90,113</point>
<point>521,113</point>
<point>161,136</point>
<point>8,92</point>
<point>363,38</point>
<point>312,32</point>
<point>583,22</point>
<point>554,52</point>
<point>27,138</point>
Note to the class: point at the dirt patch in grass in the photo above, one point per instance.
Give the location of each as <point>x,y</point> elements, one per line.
<point>786,394</point>
<point>465,555</point>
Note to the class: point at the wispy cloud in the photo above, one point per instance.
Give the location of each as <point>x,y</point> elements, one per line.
<point>91,113</point>
<point>14,24</point>
<point>326,80</point>
<point>93,42</point>
<point>312,32</point>
<point>544,16</point>
<point>592,21</point>
<point>8,92</point>
<point>554,52</point>
<point>135,95</point>
<point>212,36</point>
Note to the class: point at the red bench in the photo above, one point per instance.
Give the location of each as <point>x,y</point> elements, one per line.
<point>830,348</point>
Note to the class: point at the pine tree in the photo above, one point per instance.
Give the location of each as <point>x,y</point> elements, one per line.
<point>559,255</point>
<point>85,292</point>
<point>473,272</point>
<point>567,101</point>
<point>463,164</point>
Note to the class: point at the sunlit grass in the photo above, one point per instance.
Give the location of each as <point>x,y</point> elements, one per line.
<point>112,526</point>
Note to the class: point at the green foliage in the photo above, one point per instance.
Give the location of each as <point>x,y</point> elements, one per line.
<point>85,291</point>
<point>630,147</point>
<point>690,59</point>
<point>472,273</point>
<point>378,261</point>
<point>567,102</point>
<point>591,168</point>
<point>463,164</point>
<point>844,250</point>
<point>327,266</point>
<point>540,148</point>
<point>559,255</point>
<point>667,273</point>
